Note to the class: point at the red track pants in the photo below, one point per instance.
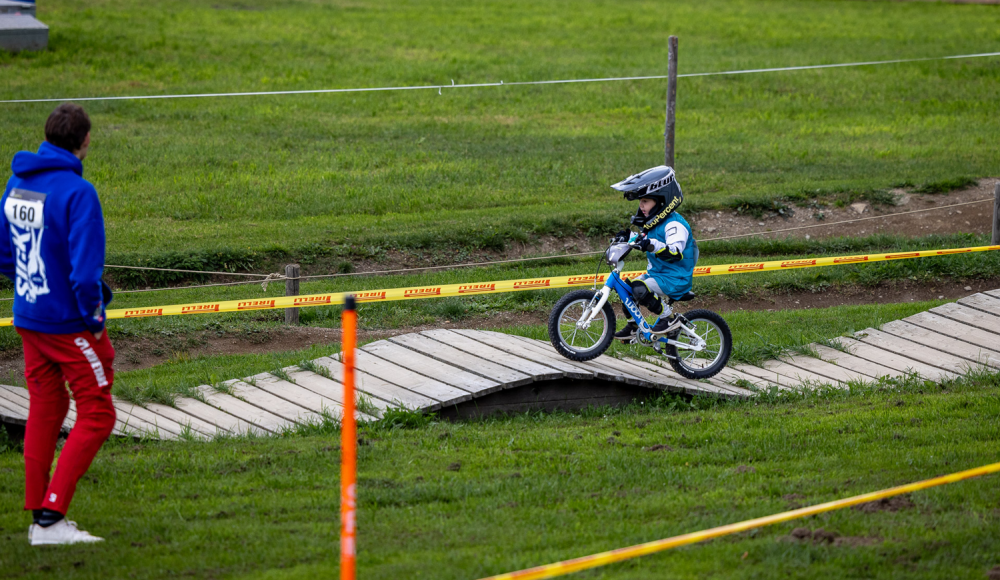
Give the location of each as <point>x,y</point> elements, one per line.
<point>50,361</point>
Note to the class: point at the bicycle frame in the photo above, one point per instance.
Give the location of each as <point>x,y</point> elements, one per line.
<point>645,335</point>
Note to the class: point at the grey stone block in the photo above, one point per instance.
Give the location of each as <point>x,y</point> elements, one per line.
<point>12,7</point>
<point>22,32</point>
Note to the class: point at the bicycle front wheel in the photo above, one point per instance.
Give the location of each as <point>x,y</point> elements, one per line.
<point>573,340</point>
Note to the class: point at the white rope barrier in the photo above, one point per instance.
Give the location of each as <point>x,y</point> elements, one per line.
<point>501,83</point>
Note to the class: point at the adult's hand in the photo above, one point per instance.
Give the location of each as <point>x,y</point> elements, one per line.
<point>98,335</point>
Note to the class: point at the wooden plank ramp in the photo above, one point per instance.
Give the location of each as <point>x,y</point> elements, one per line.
<point>446,370</point>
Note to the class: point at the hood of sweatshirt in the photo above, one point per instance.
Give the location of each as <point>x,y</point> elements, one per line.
<point>48,158</point>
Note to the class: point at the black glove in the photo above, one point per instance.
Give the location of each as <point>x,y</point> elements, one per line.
<point>622,236</point>
<point>645,244</point>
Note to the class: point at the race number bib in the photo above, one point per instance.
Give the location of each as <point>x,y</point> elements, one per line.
<point>25,209</point>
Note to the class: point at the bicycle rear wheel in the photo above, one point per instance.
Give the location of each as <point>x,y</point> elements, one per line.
<point>711,359</point>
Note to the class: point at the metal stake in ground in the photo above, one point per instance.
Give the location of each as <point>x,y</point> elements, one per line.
<point>348,447</point>
<point>668,133</point>
<point>996,215</point>
<point>292,289</point>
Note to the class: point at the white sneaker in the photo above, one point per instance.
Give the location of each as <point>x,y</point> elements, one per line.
<point>61,532</point>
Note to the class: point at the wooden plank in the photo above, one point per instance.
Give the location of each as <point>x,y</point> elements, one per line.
<point>670,379</point>
<point>410,380</point>
<point>854,363</point>
<point>153,424</point>
<point>504,375</point>
<point>599,371</point>
<point>483,351</point>
<point>984,302</point>
<point>376,388</point>
<point>970,316</point>
<point>957,330</point>
<point>781,381</point>
<point>331,390</point>
<point>794,372</point>
<point>256,406</point>
<point>914,351</point>
<point>732,376</point>
<point>821,367</point>
<point>291,412</point>
<point>12,414</point>
<point>18,398</point>
<point>442,372</point>
<point>305,398</point>
<point>229,424</point>
<point>893,360</point>
<point>993,293</point>
<point>942,343</point>
<point>518,348</point>
<point>197,428</point>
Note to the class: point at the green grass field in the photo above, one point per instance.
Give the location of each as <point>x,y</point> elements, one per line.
<point>463,500</point>
<point>481,166</point>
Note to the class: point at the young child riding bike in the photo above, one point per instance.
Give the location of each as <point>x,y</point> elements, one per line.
<point>665,236</point>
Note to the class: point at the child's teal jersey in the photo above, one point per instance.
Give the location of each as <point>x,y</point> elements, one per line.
<point>674,278</point>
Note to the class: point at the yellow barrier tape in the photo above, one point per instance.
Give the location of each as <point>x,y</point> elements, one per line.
<point>417,293</point>
<point>595,560</point>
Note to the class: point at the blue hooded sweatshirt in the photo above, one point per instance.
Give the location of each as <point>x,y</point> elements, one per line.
<point>53,249</point>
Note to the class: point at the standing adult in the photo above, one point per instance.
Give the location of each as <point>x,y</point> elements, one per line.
<point>52,248</point>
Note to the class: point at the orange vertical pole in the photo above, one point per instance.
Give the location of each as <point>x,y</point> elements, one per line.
<point>348,448</point>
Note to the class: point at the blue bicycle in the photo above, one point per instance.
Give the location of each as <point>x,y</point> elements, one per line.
<point>697,344</point>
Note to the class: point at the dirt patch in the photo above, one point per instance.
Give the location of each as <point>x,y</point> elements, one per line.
<point>994,573</point>
<point>970,218</point>
<point>745,469</point>
<point>658,447</point>
<point>820,536</point>
<point>793,500</point>
<point>888,504</point>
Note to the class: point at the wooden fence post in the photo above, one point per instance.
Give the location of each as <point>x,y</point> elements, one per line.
<point>292,289</point>
<point>996,215</point>
<point>668,134</point>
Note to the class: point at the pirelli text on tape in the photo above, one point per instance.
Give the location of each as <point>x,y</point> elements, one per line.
<point>421,292</point>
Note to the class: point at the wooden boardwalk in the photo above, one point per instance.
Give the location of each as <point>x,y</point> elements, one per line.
<point>444,370</point>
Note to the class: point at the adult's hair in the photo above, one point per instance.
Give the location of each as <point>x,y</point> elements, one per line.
<point>67,126</point>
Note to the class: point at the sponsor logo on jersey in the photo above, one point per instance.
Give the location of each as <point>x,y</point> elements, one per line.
<point>703,270</point>
<point>255,304</point>
<point>473,288</point>
<point>531,284</point>
<point>850,259</point>
<point>369,296</point>
<point>196,308</point>
<point>746,267</point>
<point>415,292</point>
<point>798,263</point>
<point>898,256</point>
<point>308,300</point>
<point>585,279</point>
<point>143,312</point>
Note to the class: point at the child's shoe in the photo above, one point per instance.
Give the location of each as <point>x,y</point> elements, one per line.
<point>663,323</point>
<point>627,334</point>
